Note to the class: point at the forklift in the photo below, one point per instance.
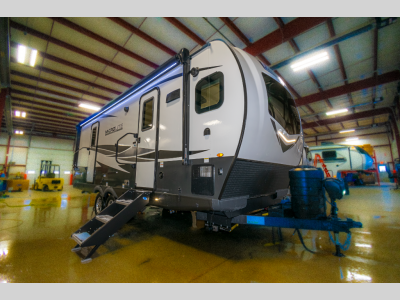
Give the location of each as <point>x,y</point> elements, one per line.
<point>49,177</point>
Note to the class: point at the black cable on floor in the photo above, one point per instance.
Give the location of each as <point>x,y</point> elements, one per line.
<point>302,242</point>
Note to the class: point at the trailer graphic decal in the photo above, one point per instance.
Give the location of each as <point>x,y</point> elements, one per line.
<point>114,129</point>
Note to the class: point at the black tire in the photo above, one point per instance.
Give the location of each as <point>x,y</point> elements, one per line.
<point>98,204</point>
<point>45,188</point>
<point>110,200</point>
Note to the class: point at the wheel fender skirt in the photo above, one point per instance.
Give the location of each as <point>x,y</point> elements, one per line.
<point>229,204</point>
<point>98,189</point>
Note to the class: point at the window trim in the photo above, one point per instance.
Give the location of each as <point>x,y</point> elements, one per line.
<point>95,137</point>
<point>222,93</point>
<point>152,114</point>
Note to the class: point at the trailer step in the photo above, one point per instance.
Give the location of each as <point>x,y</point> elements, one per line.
<point>99,229</point>
<point>104,218</point>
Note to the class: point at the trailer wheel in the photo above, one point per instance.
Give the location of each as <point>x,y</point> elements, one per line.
<point>110,200</point>
<point>98,204</point>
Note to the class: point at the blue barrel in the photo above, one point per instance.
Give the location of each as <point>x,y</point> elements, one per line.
<point>308,193</point>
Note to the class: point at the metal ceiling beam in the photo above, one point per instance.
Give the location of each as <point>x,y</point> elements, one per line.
<point>72,78</point>
<point>77,67</point>
<point>60,85</point>
<point>186,30</point>
<point>45,122</point>
<point>142,35</point>
<point>23,93</point>
<point>68,136</point>
<point>42,112</point>
<point>351,87</point>
<point>65,45</point>
<point>280,36</point>
<point>28,86</point>
<point>102,40</point>
<point>339,58</point>
<point>43,128</point>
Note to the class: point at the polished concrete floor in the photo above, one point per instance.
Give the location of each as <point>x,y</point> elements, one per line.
<point>35,245</point>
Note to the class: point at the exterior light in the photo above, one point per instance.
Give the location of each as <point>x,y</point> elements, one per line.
<point>339,111</point>
<point>346,131</point>
<point>310,61</point>
<point>88,106</point>
<point>220,154</point>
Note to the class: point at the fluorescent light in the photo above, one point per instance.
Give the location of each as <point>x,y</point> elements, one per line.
<point>285,139</point>
<point>92,107</point>
<point>352,139</point>
<point>346,131</point>
<point>23,114</point>
<point>21,132</point>
<point>56,172</point>
<point>31,172</point>
<point>33,58</point>
<point>21,54</point>
<point>310,61</point>
<point>17,113</point>
<point>67,172</point>
<point>339,111</point>
<point>363,245</point>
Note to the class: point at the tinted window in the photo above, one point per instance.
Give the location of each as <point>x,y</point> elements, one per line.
<point>328,154</point>
<point>94,130</point>
<point>281,106</point>
<point>147,120</point>
<point>210,92</point>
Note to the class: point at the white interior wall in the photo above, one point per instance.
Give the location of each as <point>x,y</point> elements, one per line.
<point>59,151</point>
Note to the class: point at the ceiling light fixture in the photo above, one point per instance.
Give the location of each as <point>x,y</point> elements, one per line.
<point>24,52</point>
<point>339,111</point>
<point>310,61</point>
<point>19,132</point>
<point>88,106</point>
<point>352,139</point>
<point>346,131</point>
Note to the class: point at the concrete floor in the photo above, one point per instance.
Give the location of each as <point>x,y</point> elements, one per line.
<point>35,245</point>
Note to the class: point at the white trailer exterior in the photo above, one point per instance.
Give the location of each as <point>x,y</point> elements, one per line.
<point>342,157</point>
<point>215,130</point>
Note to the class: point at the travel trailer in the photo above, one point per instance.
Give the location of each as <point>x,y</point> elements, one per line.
<point>212,131</point>
<point>342,157</point>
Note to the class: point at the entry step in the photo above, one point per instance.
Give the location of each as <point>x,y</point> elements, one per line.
<point>124,202</point>
<point>80,237</point>
<point>104,218</point>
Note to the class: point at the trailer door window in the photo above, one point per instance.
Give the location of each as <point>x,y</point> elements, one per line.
<point>210,93</point>
<point>329,155</point>
<point>281,105</point>
<point>94,131</point>
<point>147,116</point>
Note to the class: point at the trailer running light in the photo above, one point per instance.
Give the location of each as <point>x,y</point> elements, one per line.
<point>352,139</point>
<point>346,131</point>
<point>339,111</point>
<point>88,106</point>
<point>285,139</point>
<point>310,61</point>
<point>220,154</point>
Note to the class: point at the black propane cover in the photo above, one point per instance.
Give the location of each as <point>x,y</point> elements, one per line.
<point>308,193</point>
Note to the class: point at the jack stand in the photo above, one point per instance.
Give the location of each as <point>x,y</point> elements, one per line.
<point>337,246</point>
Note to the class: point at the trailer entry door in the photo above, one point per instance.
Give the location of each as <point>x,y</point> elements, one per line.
<point>148,146</point>
<point>94,137</point>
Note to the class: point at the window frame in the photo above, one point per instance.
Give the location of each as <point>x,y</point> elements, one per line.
<point>93,139</point>
<point>197,92</point>
<point>143,114</point>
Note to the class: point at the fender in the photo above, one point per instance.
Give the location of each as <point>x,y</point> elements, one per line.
<point>98,189</point>
<point>111,191</point>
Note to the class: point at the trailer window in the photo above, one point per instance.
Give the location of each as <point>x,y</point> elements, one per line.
<point>281,105</point>
<point>329,155</point>
<point>210,93</point>
<point>94,131</point>
<point>147,119</point>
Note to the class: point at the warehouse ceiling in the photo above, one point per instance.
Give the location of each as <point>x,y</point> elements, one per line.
<point>93,60</point>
